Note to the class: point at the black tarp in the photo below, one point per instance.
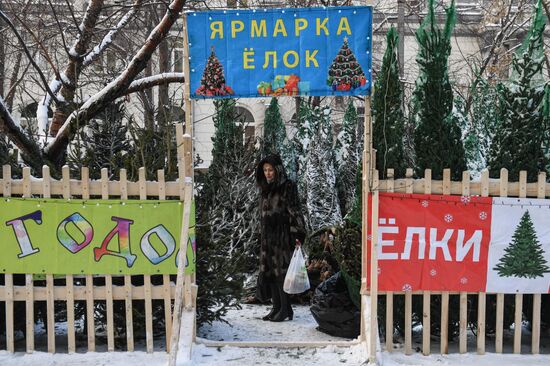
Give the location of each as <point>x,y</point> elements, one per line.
<point>333,309</point>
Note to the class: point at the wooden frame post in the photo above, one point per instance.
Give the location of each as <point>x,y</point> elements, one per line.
<point>187,82</point>
<point>183,322</point>
<point>369,316</point>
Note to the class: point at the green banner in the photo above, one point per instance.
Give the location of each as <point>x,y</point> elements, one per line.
<point>93,236</point>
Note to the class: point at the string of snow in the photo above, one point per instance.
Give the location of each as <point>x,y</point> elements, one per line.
<point>155,80</point>
<point>108,39</point>
<point>42,110</point>
<point>96,97</point>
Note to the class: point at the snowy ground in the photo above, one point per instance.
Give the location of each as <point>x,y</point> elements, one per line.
<point>247,326</point>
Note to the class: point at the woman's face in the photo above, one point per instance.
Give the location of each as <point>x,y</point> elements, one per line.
<point>269,172</point>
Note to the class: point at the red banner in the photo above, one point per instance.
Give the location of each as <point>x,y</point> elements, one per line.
<point>432,242</point>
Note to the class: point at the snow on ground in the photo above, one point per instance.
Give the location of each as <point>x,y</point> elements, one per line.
<point>246,325</point>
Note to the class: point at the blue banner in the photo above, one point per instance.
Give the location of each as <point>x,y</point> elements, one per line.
<point>280,52</point>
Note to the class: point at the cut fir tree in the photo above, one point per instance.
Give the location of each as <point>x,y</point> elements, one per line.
<point>524,257</point>
<point>345,73</point>
<point>213,79</point>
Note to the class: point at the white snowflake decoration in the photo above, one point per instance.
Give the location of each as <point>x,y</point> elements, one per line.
<point>425,203</point>
<point>448,218</point>
<point>407,287</point>
<point>433,272</point>
<point>465,199</point>
<point>483,215</point>
<point>463,280</point>
<point>369,237</point>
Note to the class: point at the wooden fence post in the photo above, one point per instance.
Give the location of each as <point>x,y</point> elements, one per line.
<point>426,296</point>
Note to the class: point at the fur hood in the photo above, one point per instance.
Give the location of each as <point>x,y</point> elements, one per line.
<point>280,174</point>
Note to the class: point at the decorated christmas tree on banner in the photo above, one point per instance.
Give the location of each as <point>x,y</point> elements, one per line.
<point>213,80</point>
<point>524,257</point>
<point>345,73</point>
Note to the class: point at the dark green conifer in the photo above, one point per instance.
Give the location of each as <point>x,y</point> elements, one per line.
<point>388,118</point>
<point>437,137</point>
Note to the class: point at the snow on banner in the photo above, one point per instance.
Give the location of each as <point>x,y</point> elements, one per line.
<point>463,243</point>
<point>57,236</point>
<point>280,52</point>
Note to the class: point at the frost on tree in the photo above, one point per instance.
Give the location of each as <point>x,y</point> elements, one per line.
<point>521,138</point>
<point>524,256</point>
<point>323,208</point>
<point>483,124</point>
<point>345,73</point>
<point>213,79</point>
<point>347,159</point>
<point>227,216</point>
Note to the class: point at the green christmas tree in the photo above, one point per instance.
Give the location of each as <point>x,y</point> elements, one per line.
<point>347,159</point>
<point>389,123</point>
<point>345,73</point>
<point>483,125</point>
<point>227,217</point>
<point>437,137</point>
<point>322,206</point>
<point>522,134</point>
<point>274,129</point>
<point>275,140</point>
<point>524,256</point>
<point>104,144</point>
<point>213,79</point>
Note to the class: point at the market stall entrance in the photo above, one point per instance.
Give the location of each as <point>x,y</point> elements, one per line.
<point>282,52</point>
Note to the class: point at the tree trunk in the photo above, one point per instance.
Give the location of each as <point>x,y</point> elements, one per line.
<point>2,56</point>
<point>74,66</point>
<point>164,66</point>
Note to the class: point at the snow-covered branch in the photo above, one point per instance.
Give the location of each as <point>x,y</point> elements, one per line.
<point>74,65</point>
<point>155,80</point>
<point>108,39</point>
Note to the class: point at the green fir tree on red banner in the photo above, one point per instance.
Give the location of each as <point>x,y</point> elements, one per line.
<point>524,256</point>
<point>345,73</point>
<point>213,79</point>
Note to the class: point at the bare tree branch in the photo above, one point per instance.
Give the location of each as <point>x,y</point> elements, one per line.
<point>110,36</point>
<point>74,66</point>
<point>116,88</point>
<point>155,80</point>
<point>28,147</point>
<point>29,56</point>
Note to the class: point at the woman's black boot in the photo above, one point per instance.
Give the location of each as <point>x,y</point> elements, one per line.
<point>284,312</point>
<point>275,300</point>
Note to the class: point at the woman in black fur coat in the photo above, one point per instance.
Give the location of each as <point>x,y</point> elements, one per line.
<point>282,227</point>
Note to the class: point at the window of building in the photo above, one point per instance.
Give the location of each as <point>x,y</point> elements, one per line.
<point>247,119</point>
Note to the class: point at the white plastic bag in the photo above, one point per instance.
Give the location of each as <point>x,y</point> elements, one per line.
<point>296,280</point>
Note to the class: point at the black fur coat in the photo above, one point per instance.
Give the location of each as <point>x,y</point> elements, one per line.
<point>281,222</point>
